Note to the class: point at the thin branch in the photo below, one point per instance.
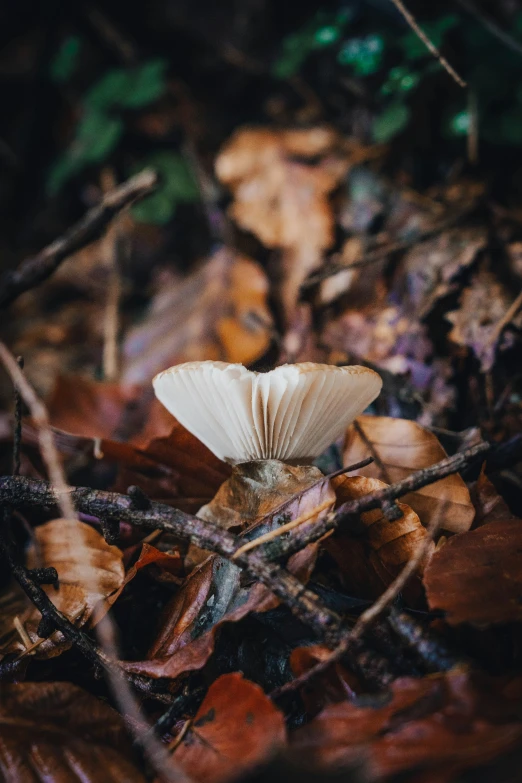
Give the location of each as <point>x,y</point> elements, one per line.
<point>45,434</point>
<point>427,43</point>
<point>35,270</point>
<point>492,26</point>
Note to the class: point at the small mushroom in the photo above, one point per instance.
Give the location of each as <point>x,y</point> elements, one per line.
<point>289,414</point>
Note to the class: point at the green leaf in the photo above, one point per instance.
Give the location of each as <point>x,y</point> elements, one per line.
<point>129,88</point>
<point>66,59</point>
<point>363,54</point>
<point>322,31</point>
<point>459,123</point>
<point>391,122</point>
<point>177,185</point>
<point>400,80</point>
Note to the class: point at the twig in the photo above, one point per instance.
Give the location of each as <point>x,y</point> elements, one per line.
<point>45,434</point>
<point>114,246</point>
<point>492,26</point>
<point>506,318</point>
<point>308,533</point>
<point>17,433</point>
<point>37,269</point>
<point>424,643</point>
<point>427,43</point>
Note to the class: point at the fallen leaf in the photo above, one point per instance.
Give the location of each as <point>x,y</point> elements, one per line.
<point>428,729</point>
<point>400,448</point>
<point>219,312</point>
<point>476,577</point>
<point>58,732</point>
<point>430,267</point>
<point>334,685</point>
<point>369,561</point>
<point>482,307</point>
<point>236,728</point>
<point>280,198</point>
<point>90,573</point>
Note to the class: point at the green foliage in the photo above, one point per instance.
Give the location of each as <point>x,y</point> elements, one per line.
<point>390,122</point>
<point>177,185</point>
<point>324,30</point>
<point>412,45</point>
<point>66,59</point>
<point>101,125</point>
<point>363,54</point>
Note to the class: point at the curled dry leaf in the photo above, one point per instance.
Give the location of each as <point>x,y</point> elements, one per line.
<point>478,323</point>
<point>213,593</point>
<point>428,729</point>
<point>59,733</point>
<point>90,575</point>
<point>334,685</point>
<point>219,312</point>
<point>236,728</point>
<point>476,577</point>
<point>400,447</point>
<point>282,199</point>
<point>370,561</point>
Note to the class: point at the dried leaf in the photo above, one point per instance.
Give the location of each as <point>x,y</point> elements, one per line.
<point>476,323</point>
<point>429,729</point>
<point>218,312</point>
<point>401,447</point>
<point>90,573</point>
<point>59,733</point>
<point>282,199</point>
<point>335,685</point>
<point>476,577</point>
<point>370,561</point>
<point>431,266</point>
<point>236,728</point>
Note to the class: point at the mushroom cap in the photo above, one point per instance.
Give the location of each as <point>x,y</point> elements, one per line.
<point>292,412</point>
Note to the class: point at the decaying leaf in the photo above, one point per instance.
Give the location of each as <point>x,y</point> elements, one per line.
<point>429,729</point>
<point>218,312</point>
<point>478,323</point>
<point>282,199</point>
<point>236,728</point>
<point>90,573</point>
<point>476,577</point>
<point>57,732</point>
<point>431,266</point>
<point>368,562</point>
<point>336,684</point>
<point>401,447</point>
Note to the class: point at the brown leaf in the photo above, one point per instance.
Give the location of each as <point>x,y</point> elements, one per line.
<point>59,733</point>
<point>429,729</point>
<point>482,308</point>
<point>476,577</point>
<point>334,685</point>
<point>90,572</point>
<point>218,312</point>
<point>280,198</point>
<point>370,561</point>
<point>401,447</point>
<point>431,266</point>
<point>235,729</point>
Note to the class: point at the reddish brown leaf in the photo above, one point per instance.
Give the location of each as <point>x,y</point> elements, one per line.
<point>58,733</point>
<point>476,577</point>
<point>431,728</point>
<point>401,447</point>
<point>236,728</point>
<point>334,685</point>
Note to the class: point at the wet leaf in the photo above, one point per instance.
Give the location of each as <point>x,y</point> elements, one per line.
<point>90,573</point>
<point>236,728</point>
<point>401,447</point>
<point>219,312</point>
<point>476,577</point>
<point>59,733</point>
<point>431,728</point>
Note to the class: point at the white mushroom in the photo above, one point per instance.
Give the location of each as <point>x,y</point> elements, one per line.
<point>293,412</point>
